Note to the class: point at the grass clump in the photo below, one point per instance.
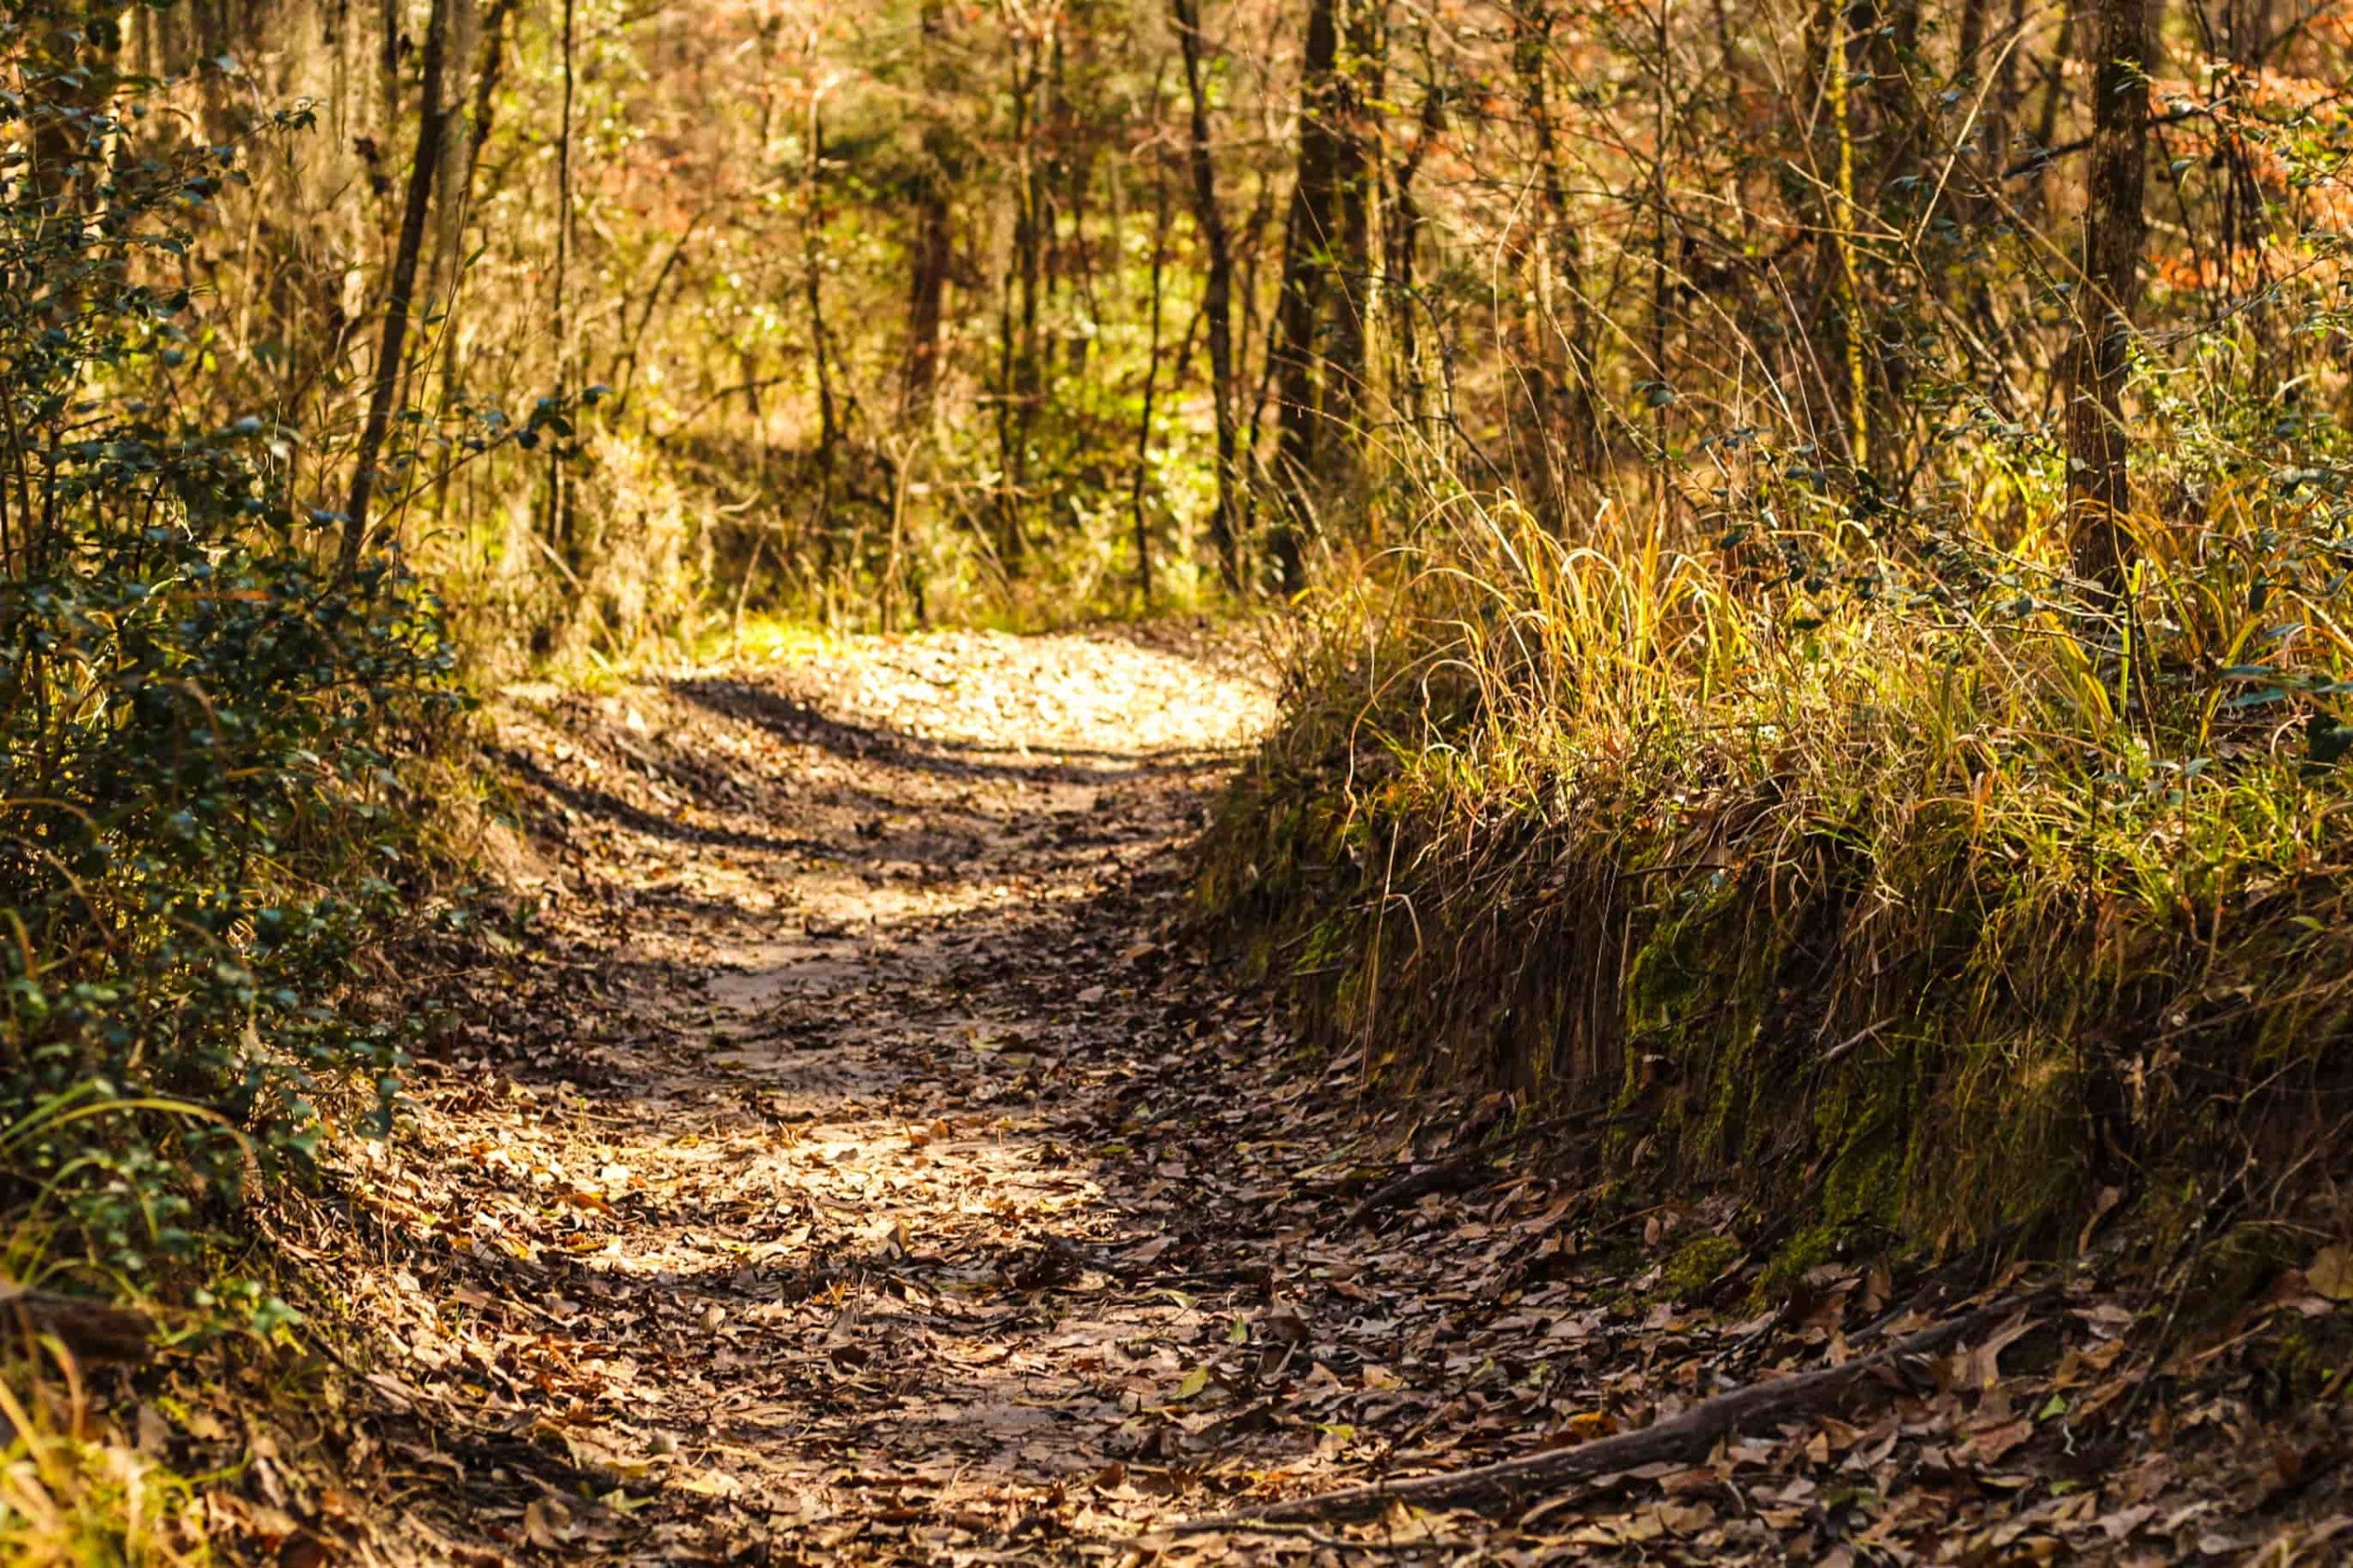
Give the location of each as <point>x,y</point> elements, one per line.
<point>79,1501</point>
<point>1910,888</point>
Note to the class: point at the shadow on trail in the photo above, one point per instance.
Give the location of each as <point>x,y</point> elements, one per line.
<point>594,802</point>
<point>793,720</point>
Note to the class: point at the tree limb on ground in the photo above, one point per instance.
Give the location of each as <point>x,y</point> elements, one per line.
<point>1688,1435</point>
<point>1453,1175</point>
<point>92,1330</point>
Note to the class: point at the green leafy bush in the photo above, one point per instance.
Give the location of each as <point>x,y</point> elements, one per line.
<point>198,718</point>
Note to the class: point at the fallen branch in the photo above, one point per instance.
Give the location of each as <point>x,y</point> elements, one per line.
<point>1685,1436</point>
<point>1448,1175</point>
<point>92,1330</point>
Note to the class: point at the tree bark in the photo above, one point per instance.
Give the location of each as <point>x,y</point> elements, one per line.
<point>558,491</point>
<point>469,148</point>
<point>926,292</point>
<point>2099,476</point>
<point>1307,238</point>
<point>1019,379</point>
<point>1560,390</point>
<point>400,297</point>
<point>1358,84</point>
<point>812,271</point>
<point>452,165</point>
<point>933,251</point>
<point>1837,70</point>
<point>1150,384</point>
<point>1217,293</point>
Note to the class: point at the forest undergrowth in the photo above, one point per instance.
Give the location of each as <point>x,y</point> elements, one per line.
<point>1909,919</point>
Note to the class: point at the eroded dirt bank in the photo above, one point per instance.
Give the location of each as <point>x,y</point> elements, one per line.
<point>863,1166</point>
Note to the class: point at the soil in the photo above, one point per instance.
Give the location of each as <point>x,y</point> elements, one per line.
<point>848,1148</point>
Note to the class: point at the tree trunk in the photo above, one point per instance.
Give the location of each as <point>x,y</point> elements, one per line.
<point>2065,46</point>
<point>926,292</point>
<point>813,268</point>
<point>932,253</point>
<point>452,165</point>
<point>559,492</point>
<point>1838,70</point>
<point>1299,307</point>
<point>1359,81</point>
<point>1217,294</point>
<point>2098,482</point>
<point>400,297</point>
<point>469,148</point>
<point>1150,384</point>
<point>1019,383</point>
<point>1560,390</point>
<point>1403,239</point>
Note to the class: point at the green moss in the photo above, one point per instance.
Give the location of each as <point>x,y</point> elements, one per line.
<point>1696,1265</point>
<point>2305,1355</point>
<point>2235,1268</point>
<point>1808,1248</point>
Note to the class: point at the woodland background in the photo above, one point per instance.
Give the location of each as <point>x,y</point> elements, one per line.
<point>1823,531</point>
<point>966,311</point>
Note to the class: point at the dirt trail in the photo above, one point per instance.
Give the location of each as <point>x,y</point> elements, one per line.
<point>860,1165</point>
<point>816,1187</point>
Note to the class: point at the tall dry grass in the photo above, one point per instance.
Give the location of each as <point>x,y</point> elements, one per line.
<point>1867,867</point>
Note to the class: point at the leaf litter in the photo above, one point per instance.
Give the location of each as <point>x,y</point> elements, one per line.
<point>861,1157</point>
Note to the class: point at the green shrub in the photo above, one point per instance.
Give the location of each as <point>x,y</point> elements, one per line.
<point>199,813</point>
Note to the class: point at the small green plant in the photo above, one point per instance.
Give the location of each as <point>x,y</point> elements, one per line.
<point>75,1496</point>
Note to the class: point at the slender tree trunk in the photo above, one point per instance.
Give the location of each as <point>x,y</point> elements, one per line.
<point>1359,81</point>
<point>559,492</point>
<point>1985,167</point>
<point>812,273</point>
<point>1403,239</point>
<point>2064,48</point>
<point>469,147</point>
<point>1971,44</point>
<point>1895,197</point>
<point>1662,281</point>
<point>926,294</point>
<point>2098,478</point>
<point>1151,384</point>
<point>1837,71</point>
<point>392,346</point>
<point>451,165</point>
<point>2246,210</point>
<point>1560,387</point>
<point>1217,293</point>
<point>1309,234</point>
<point>932,253</point>
<point>1018,378</point>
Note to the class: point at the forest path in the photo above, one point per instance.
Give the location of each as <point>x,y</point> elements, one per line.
<point>860,1164</point>
<point>862,1169</point>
